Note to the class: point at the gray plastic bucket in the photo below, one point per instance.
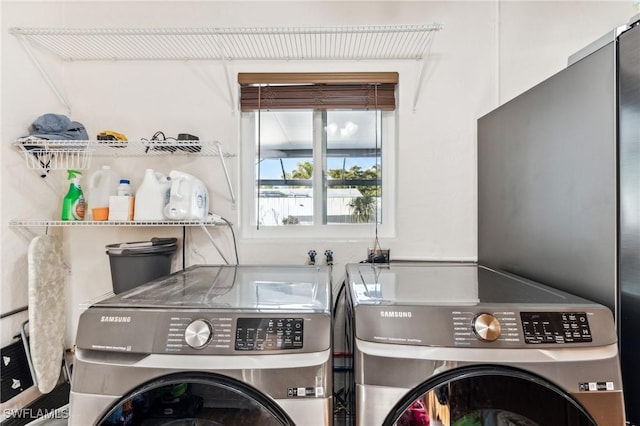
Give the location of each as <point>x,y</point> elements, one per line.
<point>136,263</point>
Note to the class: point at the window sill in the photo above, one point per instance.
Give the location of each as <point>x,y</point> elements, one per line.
<point>347,232</point>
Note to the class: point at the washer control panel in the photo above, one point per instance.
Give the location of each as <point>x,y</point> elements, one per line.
<point>471,328</point>
<point>514,329</point>
<point>198,334</point>
<point>486,327</point>
<point>555,327</point>
<point>266,334</point>
<point>205,334</point>
<point>204,331</point>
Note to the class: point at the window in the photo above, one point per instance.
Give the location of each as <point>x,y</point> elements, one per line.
<point>317,155</point>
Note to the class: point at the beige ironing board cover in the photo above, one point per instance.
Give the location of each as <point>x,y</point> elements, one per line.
<point>47,319</point>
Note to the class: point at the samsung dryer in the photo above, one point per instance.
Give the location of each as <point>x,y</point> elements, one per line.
<point>210,346</point>
<point>460,344</point>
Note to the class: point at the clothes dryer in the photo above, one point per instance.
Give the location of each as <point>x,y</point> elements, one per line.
<point>210,345</point>
<point>459,344</point>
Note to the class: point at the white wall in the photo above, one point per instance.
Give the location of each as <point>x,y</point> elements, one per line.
<point>487,53</point>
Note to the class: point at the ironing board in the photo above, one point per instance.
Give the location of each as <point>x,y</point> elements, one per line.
<point>46,310</point>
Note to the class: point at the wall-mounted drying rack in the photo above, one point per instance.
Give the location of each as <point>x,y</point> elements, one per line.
<point>45,155</point>
<point>393,42</point>
<point>35,223</point>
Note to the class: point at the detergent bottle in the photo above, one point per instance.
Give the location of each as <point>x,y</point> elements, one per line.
<point>73,205</point>
<point>152,196</point>
<point>188,197</point>
<point>102,185</point>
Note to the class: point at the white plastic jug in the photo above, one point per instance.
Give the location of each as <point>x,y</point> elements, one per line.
<point>151,196</point>
<point>102,184</point>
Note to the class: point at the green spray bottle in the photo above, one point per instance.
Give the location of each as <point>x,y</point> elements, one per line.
<point>73,205</point>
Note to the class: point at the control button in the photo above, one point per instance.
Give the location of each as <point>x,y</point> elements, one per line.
<point>486,327</point>
<point>198,334</point>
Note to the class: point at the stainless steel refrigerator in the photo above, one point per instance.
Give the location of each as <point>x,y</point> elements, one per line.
<point>559,186</point>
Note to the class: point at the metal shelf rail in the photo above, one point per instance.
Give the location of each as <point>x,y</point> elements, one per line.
<point>404,42</point>
<point>74,154</point>
<point>331,43</point>
<point>105,223</point>
<point>25,225</point>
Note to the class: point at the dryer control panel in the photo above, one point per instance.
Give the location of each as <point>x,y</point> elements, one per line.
<point>514,328</point>
<point>260,334</point>
<point>555,327</point>
<point>201,332</point>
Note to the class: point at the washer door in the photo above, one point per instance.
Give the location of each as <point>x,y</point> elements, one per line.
<point>196,399</point>
<point>488,395</point>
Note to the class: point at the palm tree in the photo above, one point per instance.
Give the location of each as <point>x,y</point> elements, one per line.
<point>363,208</point>
<point>357,173</point>
<point>304,171</point>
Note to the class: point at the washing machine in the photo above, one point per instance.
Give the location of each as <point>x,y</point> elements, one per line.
<point>463,345</point>
<point>208,346</point>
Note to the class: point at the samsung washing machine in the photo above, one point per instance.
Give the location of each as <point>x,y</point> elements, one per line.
<point>460,344</point>
<point>209,346</point>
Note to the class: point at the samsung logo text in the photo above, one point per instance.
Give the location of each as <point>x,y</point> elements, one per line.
<point>106,318</point>
<point>395,314</point>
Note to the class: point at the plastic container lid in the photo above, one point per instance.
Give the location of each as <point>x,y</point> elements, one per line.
<point>155,245</point>
<point>143,251</point>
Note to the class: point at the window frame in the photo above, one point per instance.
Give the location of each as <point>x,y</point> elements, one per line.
<point>248,188</point>
<point>317,92</point>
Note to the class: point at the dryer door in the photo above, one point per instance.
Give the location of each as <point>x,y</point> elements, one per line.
<point>488,395</point>
<point>198,399</point>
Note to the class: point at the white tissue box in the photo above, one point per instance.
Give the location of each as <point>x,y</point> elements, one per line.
<point>120,207</point>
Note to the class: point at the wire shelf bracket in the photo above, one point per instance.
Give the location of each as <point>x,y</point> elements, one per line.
<point>392,42</point>
<point>26,44</point>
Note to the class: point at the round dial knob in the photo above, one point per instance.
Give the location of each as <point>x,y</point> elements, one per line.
<point>198,334</point>
<point>486,327</point>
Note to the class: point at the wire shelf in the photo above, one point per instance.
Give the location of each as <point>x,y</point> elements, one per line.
<point>106,223</point>
<point>334,43</point>
<point>64,154</point>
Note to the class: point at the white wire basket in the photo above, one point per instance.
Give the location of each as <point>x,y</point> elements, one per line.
<point>46,155</point>
<point>57,155</point>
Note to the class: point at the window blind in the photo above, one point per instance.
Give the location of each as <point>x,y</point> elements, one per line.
<point>317,91</point>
